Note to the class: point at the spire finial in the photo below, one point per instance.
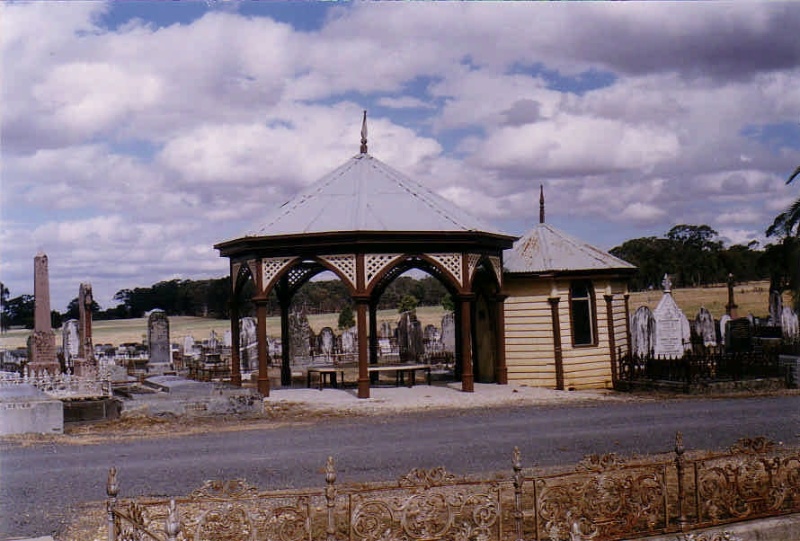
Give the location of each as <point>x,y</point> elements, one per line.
<point>364,134</point>
<point>541,204</point>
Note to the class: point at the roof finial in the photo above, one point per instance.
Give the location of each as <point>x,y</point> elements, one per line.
<point>364,134</point>
<point>541,204</point>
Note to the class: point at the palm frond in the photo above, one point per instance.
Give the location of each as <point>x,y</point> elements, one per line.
<point>794,175</point>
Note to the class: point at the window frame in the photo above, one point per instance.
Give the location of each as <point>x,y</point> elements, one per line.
<point>592,315</point>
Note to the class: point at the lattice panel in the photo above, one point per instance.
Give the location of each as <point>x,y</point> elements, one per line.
<point>497,265</point>
<point>272,267</point>
<point>346,264</point>
<point>452,263</point>
<point>472,264</point>
<point>375,263</point>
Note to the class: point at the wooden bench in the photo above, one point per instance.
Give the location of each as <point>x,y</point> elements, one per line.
<point>325,371</point>
<point>401,370</point>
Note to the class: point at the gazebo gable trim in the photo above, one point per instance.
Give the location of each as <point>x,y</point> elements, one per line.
<point>423,262</point>
<point>494,263</point>
<point>318,261</point>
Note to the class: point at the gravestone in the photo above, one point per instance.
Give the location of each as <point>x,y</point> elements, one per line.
<point>704,328</point>
<point>188,346</point>
<point>432,337</point>
<point>226,339</point>
<point>248,344</point>
<point>789,324</point>
<point>326,343</point>
<point>158,340</point>
<point>643,327</point>
<point>673,333</point>
<point>70,341</point>
<point>775,308</point>
<point>348,341</point>
<point>449,332</point>
<point>299,335</point>
<point>213,342</point>
<point>85,300</point>
<point>410,342</point>
<point>723,328</point>
<point>739,336</point>
<point>42,356</point>
<point>385,331</point>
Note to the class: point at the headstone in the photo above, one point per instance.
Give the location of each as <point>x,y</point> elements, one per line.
<point>248,344</point>
<point>775,308</point>
<point>42,357</point>
<point>299,335</point>
<point>213,342</point>
<point>410,341</point>
<point>449,332</point>
<point>739,336</point>
<point>431,336</point>
<point>704,328</point>
<point>386,331</point>
<point>160,356</point>
<point>673,333</point>
<point>326,343</point>
<point>349,341</point>
<point>723,327</point>
<point>226,339</point>
<point>643,327</point>
<point>188,346</point>
<point>70,341</point>
<point>85,301</point>
<point>789,324</point>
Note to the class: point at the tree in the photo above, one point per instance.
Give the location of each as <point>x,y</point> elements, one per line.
<point>3,301</point>
<point>448,304</point>
<point>346,319</point>
<point>74,309</point>
<point>786,254</point>
<point>407,303</point>
<point>20,311</point>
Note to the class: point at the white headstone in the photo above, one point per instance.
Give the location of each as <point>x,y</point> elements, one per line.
<point>723,327</point>
<point>70,340</point>
<point>789,324</point>
<point>449,332</point>
<point>248,344</point>
<point>673,333</point>
<point>226,339</point>
<point>704,327</point>
<point>643,327</point>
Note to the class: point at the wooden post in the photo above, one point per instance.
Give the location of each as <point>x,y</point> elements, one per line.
<point>261,331</point>
<point>467,374</point>
<point>286,342</point>
<point>612,343</point>
<point>559,360</point>
<point>501,370</point>
<point>236,361</point>
<point>363,354</point>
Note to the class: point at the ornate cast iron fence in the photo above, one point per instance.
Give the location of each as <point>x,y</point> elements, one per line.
<point>603,498</point>
<point>694,368</point>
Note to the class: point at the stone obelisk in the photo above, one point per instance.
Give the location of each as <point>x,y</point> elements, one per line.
<point>43,342</point>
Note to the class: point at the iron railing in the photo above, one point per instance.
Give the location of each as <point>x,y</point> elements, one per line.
<point>603,498</point>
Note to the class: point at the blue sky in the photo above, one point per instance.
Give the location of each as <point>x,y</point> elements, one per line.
<point>136,135</point>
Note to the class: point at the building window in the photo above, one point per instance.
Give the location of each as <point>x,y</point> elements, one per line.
<point>581,306</point>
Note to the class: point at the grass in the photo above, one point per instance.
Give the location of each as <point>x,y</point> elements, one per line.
<point>750,297</point>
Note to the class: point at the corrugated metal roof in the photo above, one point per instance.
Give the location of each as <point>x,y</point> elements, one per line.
<point>365,194</point>
<point>547,249</point>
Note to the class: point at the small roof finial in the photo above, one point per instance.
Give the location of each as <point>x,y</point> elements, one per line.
<point>364,134</point>
<point>541,204</point>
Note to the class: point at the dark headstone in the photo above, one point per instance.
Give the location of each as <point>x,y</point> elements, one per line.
<point>739,336</point>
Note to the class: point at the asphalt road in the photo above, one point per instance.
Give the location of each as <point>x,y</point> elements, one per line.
<point>39,484</point>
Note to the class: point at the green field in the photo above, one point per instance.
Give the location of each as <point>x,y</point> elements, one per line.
<point>751,297</point>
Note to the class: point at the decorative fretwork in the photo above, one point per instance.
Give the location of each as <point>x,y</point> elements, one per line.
<point>756,479</point>
<point>346,264</point>
<point>272,267</point>
<point>472,263</point>
<point>497,265</point>
<point>375,263</point>
<point>451,263</point>
<point>300,275</point>
<point>235,269</point>
<point>603,498</point>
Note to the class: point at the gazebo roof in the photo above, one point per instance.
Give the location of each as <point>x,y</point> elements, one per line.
<point>366,195</point>
<point>545,249</point>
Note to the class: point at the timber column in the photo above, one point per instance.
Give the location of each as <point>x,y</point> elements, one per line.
<point>557,353</point>
<point>43,342</point>
<point>501,370</point>
<point>261,331</point>
<point>236,362</point>
<point>362,307</point>
<point>612,343</point>
<point>467,374</point>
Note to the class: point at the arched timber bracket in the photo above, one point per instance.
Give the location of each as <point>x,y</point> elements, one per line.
<point>241,272</point>
<point>301,271</point>
<point>405,263</point>
<point>475,261</point>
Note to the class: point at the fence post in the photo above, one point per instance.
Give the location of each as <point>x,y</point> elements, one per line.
<point>330,497</point>
<point>112,489</point>
<point>518,493</point>
<point>680,466</point>
<point>173,523</point>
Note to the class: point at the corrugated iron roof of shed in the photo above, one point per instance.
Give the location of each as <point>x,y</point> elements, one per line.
<point>365,194</point>
<point>547,249</point>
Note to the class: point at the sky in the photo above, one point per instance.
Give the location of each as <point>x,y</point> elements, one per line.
<point>136,135</point>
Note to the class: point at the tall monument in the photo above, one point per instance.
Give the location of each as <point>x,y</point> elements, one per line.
<point>43,342</point>
<point>85,364</point>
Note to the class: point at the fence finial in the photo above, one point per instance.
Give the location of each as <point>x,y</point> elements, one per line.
<point>172,525</point>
